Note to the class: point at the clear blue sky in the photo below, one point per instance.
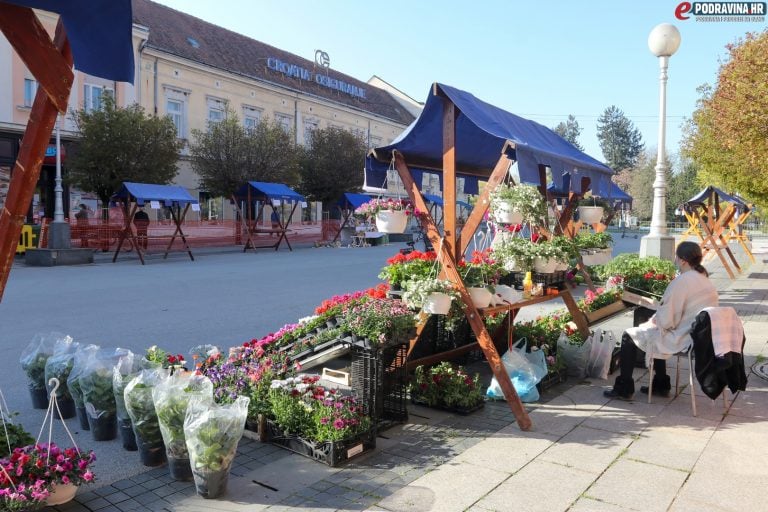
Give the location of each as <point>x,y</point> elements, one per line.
<point>540,60</point>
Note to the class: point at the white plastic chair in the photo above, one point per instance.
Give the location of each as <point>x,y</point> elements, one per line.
<point>686,352</point>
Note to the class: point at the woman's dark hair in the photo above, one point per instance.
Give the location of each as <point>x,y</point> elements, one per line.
<point>690,252</point>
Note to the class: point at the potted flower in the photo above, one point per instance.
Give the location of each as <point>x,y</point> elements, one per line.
<point>590,209</point>
<point>379,321</point>
<point>171,397</point>
<point>479,275</point>
<point>547,256</point>
<point>516,204</point>
<point>212,433</point>
<point>404,267</point>
<point>515,254</point>
<point>447,387</point>
<point>33,360</point>
<point>59,366</point>
<point>595,248</point>
<point>391,214</point>
<point>42,474</point>
<point>141,409</point>
<point>73,382</point>
<point>642,279</point>
<point>12,435</point>
<point>432,295</point>
<point>99,400</point>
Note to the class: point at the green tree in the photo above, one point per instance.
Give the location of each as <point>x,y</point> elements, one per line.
<point>682,186</point>
<point>227,155</point>
<point>332,164</point>
<point>620,141</point>
<point>727,137</point>
<point>122,144</point>
<point>570,131</point>
<point>641,185</point>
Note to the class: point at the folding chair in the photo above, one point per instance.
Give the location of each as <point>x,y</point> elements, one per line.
<point>683,353</point>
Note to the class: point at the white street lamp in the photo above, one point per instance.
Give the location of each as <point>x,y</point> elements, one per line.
<point>59,232</point>
<point>663,42</point>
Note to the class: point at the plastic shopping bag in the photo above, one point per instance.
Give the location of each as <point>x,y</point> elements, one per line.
<point>600,355</point>
<point>520,371</point>
<point>574,356</point>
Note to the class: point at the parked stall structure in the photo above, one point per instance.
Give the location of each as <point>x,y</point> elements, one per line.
<point>132,196</point>
<point>251,199</point>
<point>715,224</point>
<point>347,205</point>
<point>458,135</point>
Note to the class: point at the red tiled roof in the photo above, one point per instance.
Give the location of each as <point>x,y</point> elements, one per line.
<point>170,31</point>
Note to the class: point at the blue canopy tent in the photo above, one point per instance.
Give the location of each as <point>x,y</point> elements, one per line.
<point>464,139</point>
<point>136,195</point>
<point>255,195</point>
<point>436,201</point>
<point>347,205</point>
<point>97,36</point>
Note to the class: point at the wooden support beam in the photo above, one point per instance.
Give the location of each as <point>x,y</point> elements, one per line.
<point>26,170</point>
<point>450,113</point>
<point>42,56</point>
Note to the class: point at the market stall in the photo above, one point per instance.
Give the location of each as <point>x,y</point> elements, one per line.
<point>711,214</point>
<point>102,49</point>
<point>458,135</point>
<point>346,205</point>
<point>250,201</point>
<point>133,196</point>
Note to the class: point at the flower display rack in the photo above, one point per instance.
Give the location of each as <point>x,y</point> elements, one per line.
<point>331,453</point>
<point>380,380</point>
<point>553,280</point>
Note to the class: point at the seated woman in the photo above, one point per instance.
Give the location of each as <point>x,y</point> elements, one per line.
<point>668,331</point>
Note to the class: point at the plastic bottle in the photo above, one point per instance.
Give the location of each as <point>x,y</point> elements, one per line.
<point>527,286</point>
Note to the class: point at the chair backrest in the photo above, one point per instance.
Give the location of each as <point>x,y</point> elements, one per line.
<point>718,342</point>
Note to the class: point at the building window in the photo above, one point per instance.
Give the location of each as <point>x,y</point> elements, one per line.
<point>175,110</point>
<point>285,122</point>
<point>217,110</point>
<point>309,127</point>
<point>30,89</point>
<point>251,118</point>
<point>92,98</point>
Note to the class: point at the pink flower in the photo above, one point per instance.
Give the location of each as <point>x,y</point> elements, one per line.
<point>88,476</point>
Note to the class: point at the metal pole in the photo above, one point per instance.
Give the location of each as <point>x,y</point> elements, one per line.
<point>658,216</point>
<point>58,213</point>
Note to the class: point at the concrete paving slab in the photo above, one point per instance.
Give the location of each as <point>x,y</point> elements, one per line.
<point>588,504</point>
<point>668,448</point>
<point>624,417</point>
<point>751,403</point>
<point>700,504</point>
<point>506,452</point>
<point>713,410</point>
<point>436,491</point>
<point>731,472</point>
<point>539,486</point>
<point>555,421</point>
<point>587,449</point>
<point>628,483</point>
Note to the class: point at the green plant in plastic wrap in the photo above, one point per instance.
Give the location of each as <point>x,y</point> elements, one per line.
<point>73,380</point>
<point>172,397</point>
<point>212,433</point>
<point>141,409</point>
<point>36,354</point>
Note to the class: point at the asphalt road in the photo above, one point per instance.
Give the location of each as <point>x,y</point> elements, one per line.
<point>224,297</point>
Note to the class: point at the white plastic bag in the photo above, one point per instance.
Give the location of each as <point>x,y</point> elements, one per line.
<point>575,357</point>
<point>600,355</point>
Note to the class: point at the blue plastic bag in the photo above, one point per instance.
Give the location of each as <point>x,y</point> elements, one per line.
<point>524,372</point>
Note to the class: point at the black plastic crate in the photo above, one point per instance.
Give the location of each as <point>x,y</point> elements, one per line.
<point>380,381</point>
<point>331,453</point>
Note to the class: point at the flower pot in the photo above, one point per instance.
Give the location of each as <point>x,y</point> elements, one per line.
<point>39,398</point>
<point>151,455</point>
<point>481,297</point>
<point>391,221</point>
<point>561,266</point>
<point>510,265</point>
<point>437,303</point>
<point>544,266</point>
<point>180,469</point>
<point>83,418</point>
<point>590,214</point>
<point>505,213</point>
<point>211,484</point>
<point>127,435</point>
<point>66,409</point>
<point>331,323</point>
<point>103,428</point>
<point>61,493</point>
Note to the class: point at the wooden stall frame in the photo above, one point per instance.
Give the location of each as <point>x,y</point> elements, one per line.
<point>51,64</point>
<point>128,230</point>
<point>252,229</point>
<point>711,224</point>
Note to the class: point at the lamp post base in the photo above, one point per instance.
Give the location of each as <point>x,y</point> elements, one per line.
<point>59,235</point>
<point>661,246</point>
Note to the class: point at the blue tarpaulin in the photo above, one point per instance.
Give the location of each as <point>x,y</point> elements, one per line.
<point>350,200</point>
<point>616,194</point>
<point>481,133</point>
<point>269,190</point>
<point>432,198</point>
<point>142,193</point>
<point>705,194</point>
<point>99,32</point>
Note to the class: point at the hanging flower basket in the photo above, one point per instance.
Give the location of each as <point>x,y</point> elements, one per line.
<point>545,265</point>
<point>506,212</point>
<point>61,493</point>
<point>481,297</point>
<point>590,214</point>
<point>437,303</point>
<point>391,221</point>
